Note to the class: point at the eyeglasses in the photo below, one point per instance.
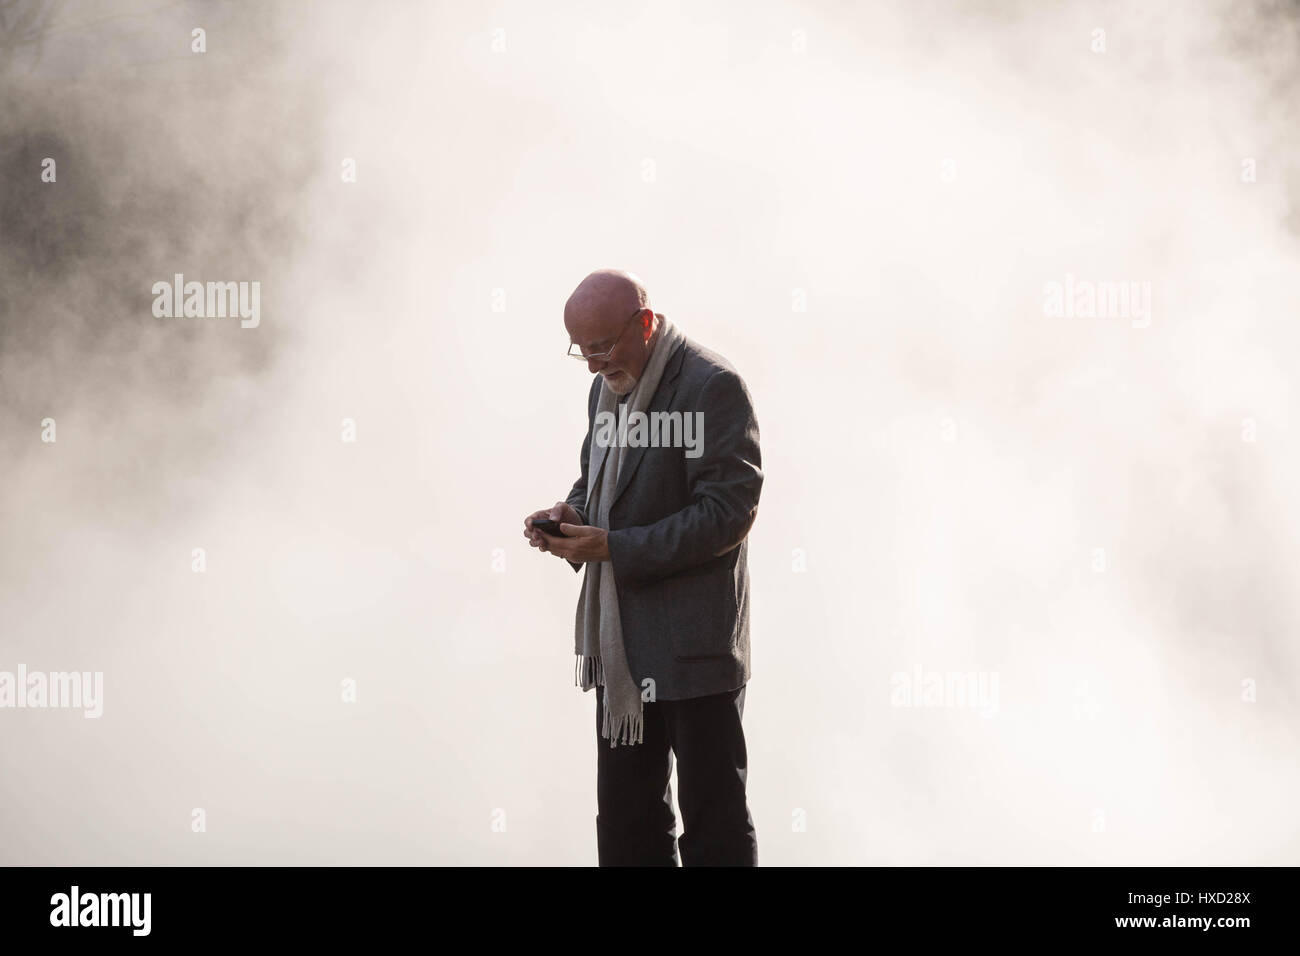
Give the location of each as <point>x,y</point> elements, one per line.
<point>587,357</point>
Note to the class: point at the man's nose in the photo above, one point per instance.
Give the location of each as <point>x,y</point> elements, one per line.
<point>595,365</point>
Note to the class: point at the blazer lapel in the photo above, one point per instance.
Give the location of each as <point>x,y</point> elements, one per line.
<point>663,397</point>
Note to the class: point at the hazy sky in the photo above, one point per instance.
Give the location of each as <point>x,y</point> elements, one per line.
<point>863,207</point>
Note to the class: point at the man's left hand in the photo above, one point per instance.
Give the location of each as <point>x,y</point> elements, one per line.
<point>582,543</point>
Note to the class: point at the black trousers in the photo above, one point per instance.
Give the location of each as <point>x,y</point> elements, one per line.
<point>635,824</point>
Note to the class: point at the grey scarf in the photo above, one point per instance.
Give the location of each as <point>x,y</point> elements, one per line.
<point>598,630</point>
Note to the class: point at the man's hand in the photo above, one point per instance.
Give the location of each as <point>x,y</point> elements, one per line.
<point>582,543</point>
<point>562,512</point>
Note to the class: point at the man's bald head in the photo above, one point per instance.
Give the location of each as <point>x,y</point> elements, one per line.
<point>606,291</point>
<point>597,316</point>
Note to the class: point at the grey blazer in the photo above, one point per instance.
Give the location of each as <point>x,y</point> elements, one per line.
<point>677,532</point>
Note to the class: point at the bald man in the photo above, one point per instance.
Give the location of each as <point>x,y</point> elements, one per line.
<point>658,521</point>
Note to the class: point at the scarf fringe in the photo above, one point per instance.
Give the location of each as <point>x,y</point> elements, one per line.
<point>631,727</point>
<point>588,671</point>
<point>629,730</point>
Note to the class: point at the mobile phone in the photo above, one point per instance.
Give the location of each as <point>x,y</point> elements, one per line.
<point>549,526</point>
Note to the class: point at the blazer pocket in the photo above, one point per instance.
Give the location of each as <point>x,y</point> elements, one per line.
<point>701,613</point>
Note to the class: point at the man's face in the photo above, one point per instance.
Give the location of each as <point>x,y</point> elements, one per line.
<point>621,333</point>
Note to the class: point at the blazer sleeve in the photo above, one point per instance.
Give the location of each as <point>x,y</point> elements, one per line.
<point>724,482</point>
<point>577,499</point>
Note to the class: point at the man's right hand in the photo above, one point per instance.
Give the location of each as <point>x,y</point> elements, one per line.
<point>562,511</point>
